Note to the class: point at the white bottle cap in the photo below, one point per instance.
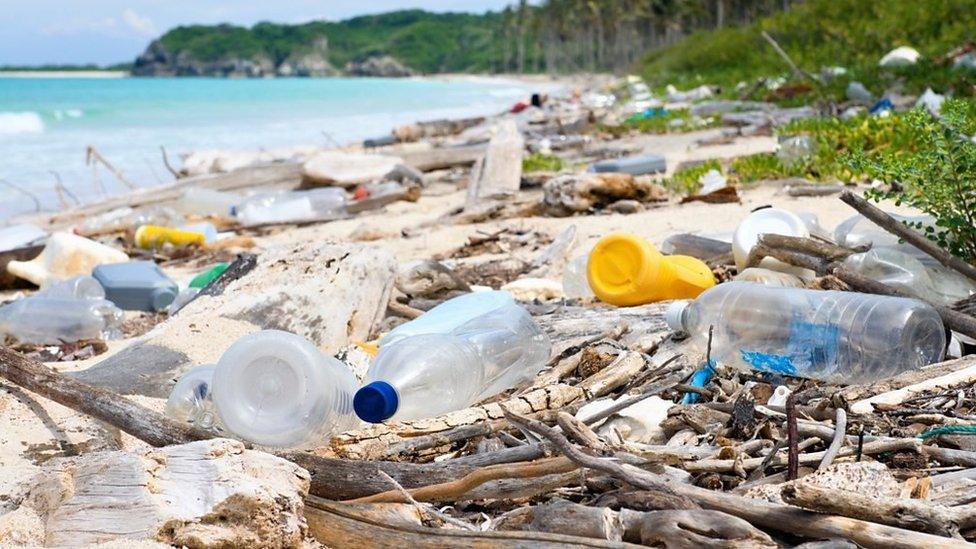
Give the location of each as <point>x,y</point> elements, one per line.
<point>673,316</point>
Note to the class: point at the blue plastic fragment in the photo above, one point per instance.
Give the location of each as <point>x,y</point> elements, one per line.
<point>699,379</point>
<point>883,104</point>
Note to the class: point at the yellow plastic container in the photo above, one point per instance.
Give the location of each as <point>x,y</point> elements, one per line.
<point>154,236</point>
<point>625,270</point>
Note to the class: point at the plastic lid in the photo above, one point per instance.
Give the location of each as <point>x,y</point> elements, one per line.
<point>162,297</point>
<point>376,402</point>
<point>615,264</point>
<point>673,316</point>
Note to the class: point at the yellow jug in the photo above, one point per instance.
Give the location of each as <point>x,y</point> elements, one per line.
<point>154,236</point>
<point>625,270</point>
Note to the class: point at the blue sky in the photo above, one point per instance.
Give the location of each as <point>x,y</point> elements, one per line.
<point>36,32</point>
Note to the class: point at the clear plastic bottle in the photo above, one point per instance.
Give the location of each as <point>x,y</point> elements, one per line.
<point>275,388</point>
<point>314,204</point>
<point>191,400</point>
<point>841,337</point>
<point>575,283</point>
<point>903,271</point>
<point>53,320</point>
<point>475,357</point>
<point>76,287</point>
<point>206,202</point>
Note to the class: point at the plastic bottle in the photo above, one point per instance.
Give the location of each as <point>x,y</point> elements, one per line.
<point>575,283</point>
<point>64,256</point>
<point>136,285</point>
<point>76,287</point>
<point>45,320</point>
<point>626,270</point>
<point>207,229</point>
<point>902,271</point>
<point>275,388</point>
<point>768,221</point>
<point>206,202</point>
<point>191,400</point>
<point>127,218</point>
<point>702,247</point>
<point>149,237</point>
<point>490,344</point>
<point>315,204</point>
<point>794,149</point>
<point>857,230</point>
<point>842,337</point>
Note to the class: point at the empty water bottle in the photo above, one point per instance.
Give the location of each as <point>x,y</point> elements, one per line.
<point>841,337</point>
<point>275,388</point>
<point>903,271</point>
<point>76,287</point>
<point>53,320</point>
<point>315,204</point>
<point>191,400</point>
<point>458,353</point>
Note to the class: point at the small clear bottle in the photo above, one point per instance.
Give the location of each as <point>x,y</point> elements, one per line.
<point>834,336</point>
<point>275,388</point>
<point>54,320</point>
<point>288,206</point>
<point>191,400</point>
<point>487,344</point>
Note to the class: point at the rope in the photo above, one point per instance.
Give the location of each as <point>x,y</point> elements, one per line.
<point>950,430</point>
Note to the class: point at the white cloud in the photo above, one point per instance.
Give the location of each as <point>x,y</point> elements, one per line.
<point>138,23</point>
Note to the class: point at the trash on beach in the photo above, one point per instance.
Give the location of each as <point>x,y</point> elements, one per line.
<point>903,56</point>
<point>136,285</point>
<point>204,278</point>
<point>931,101</point>
<point>59,319</point>
<point>575,283</point>
<point>903,271</point>
<point>844,337</point>
<point>462,351</point>
<point>694,94</point>
<point>639,422</point>
<point>293,206</point>
<point>627,270</point>
<point>795,149</point>
<point>633,165</point>
<point>702,247</point>
<point>499,174</point>
<point>150,237</point>
<point>769,277</point>
<point>65,255</point>
<point>857,92</point>
<point>124,219</point>
<point>882,107</point>
<point>767,221</point>
<point>711,181</point>
<point>205,202</point>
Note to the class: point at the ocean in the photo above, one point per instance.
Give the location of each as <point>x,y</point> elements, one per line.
<point>46,123</point>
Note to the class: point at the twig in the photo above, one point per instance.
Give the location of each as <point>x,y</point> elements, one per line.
<point>62,190</point>
<point>426,510</point>
<point>166,163</point>
<point>628,402</point>
<point>32,196</point>
<point>899,229</point>
<point>860,444</point>
<point>797,71</point>
<point>840,432</point>
<point>92,155</point>
<point>793,465</point>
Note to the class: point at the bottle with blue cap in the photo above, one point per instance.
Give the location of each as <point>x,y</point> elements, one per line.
<point>843,337</point>
<point>462,351</point>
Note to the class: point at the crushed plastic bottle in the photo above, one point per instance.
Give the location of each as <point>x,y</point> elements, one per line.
<point>314,204</point>
<point>53,320</point>
<point>626,270</point>
<point>903,271</point>
<point>275,388</point>
<point>191,400</point>
<point>460,352</point>
<point>841,337</point>
<point>76,287</point>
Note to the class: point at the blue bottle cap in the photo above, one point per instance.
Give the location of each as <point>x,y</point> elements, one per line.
<point>376,402</point>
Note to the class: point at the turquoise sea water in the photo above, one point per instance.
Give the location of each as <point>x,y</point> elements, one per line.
<point>46,123</point>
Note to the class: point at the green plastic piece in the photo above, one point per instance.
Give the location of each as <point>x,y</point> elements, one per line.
<point>208,276</point>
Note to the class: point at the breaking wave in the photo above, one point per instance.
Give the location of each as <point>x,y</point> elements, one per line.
<point>13,123</point>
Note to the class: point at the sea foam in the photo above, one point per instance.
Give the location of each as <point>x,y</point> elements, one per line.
<point>13,123</point>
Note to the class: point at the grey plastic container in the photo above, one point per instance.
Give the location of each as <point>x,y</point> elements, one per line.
<point>634,165</point>
<point>136,285</point>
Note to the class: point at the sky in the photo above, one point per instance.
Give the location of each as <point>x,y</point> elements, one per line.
<point>35,32</point>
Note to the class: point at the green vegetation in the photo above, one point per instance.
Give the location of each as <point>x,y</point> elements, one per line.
<point>824,33</point>
<point>427,42</point>
<point>66,68</point>
<point>661,121</point>
<point>935,175</point>
<point>538,162</point>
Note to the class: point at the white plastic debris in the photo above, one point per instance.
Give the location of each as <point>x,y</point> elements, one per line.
<point>640,422</point>
<point>779,397</point>
<point>903,56</point>
<point>857,92</point>
<point>931,101</point>
<point>530,289</point>
<point>712,181</point>
<point>966,61</point>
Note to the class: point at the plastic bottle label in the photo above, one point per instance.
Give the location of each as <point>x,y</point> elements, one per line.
<point>810,346</point>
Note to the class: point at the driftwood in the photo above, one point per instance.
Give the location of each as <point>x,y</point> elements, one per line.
<point>340,526</point>
<point>813,190</point>
<point>443,157</point>
<point>899,229</point>
<point>769,515</point>
<point>909,514</point>
<point>499,175</point>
